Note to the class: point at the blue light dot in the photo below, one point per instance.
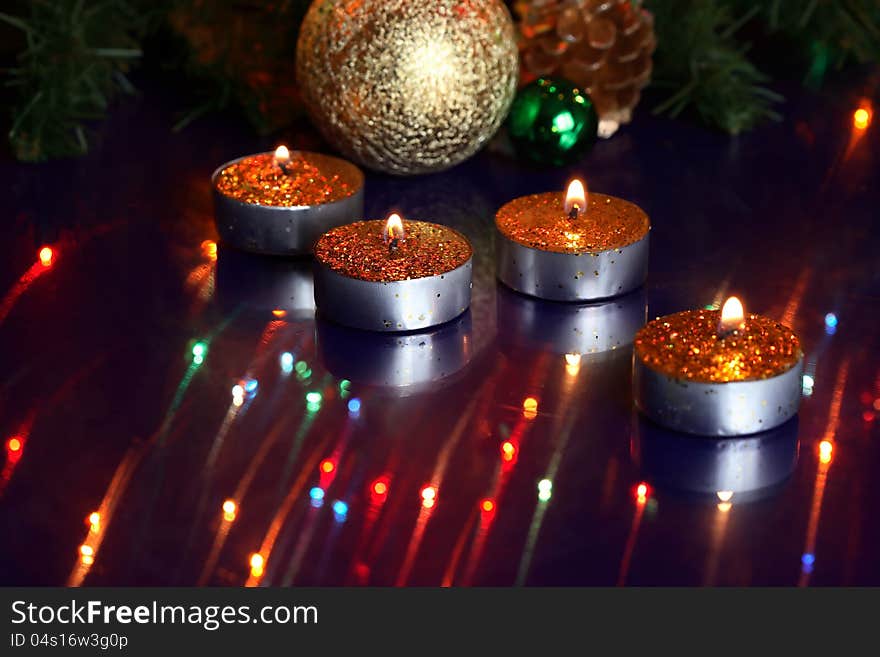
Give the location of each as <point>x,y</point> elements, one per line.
<point>251,385</point>
<point>340,508</point>
<point>830,320</point>
<point>354,406</point>
<point>808,559</point>
<point>286,362</point>
<point>317,493</point>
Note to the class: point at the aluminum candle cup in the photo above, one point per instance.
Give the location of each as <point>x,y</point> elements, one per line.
<point>572,247</point>
<point>392,275</point>
<point>570,328</point>
<point>727,470</point>
<point>405,364</point>
<point>695,373</point>
<point>280,203</point>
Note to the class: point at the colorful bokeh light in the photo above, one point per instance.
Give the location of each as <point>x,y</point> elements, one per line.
<point>230,510</point>
<point>257,562</point>
<point>508,451</point>
<point>862,118</point>
<point>46,256</point>
<point>826,449</point>
<point>428,495</point>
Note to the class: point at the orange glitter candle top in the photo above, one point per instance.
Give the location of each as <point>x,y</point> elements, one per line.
<point>718,346</point>
<point>572,222</point>
<point>285,179</point>
<point>392,250</point>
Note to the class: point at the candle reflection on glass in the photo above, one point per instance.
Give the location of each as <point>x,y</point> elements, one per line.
<point>577,331</point>
<point>725,471</point>
<point>403,364</point>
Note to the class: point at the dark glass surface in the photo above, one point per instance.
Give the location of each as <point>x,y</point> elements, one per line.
<point>112,414</point>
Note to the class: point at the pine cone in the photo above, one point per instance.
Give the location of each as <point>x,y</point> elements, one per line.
<point>603,46</point>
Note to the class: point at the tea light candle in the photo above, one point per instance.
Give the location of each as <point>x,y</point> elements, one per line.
<point>572,247</point>
<point>717,373</point>
<point>279,203</point>
<point>392,275</point>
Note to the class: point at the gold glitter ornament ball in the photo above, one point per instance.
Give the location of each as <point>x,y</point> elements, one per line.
<point>407,86</point>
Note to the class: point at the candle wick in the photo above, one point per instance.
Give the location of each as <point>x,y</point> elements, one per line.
<point>283,166</point>
<point>573,213</point>
<point>393,244</point>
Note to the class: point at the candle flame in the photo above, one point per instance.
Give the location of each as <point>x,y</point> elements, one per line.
<point>732,315</point>
<point>394,228</point>
<point>576,199</point>
<point>282,155</point>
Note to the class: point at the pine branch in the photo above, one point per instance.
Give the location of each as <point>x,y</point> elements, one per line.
<point>700,58</point>
<point>71,68</point>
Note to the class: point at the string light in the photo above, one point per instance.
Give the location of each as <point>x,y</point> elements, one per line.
<point>826,448</point>
<point>199,351</point>
<point>327,466</point>
<point>340,510</point>
<point>488,506</point>
<point>46,256</point>
<point>545,490</point>
<point>380,486</point>
<point>286,362</point>
<point>530,408</point>
<point>429,496</point>
<point>94,521</point>
<point>354,406</point>
<point>257,562</point>
<point>861,118</point>
<point>14,444</point>
<point>230,510</point>
<point>87,554</point>
<point>508,451</point>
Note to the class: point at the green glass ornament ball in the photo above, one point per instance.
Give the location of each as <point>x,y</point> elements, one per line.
<point>552,122</point>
